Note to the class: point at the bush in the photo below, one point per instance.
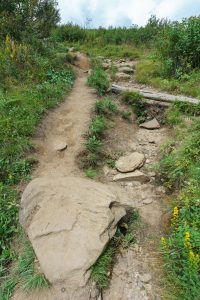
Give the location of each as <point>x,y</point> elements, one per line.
<point>99,80</point>
<point>94,144</point>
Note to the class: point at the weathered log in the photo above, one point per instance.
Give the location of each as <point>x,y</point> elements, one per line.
<point>156,96</point>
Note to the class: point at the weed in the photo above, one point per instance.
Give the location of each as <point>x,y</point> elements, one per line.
<point>94,144</point>
<point>105,107</point>
<point>126,115</point>
<point>173,117</point>
<point>102,269</point>
<point>97,126</point>
<point>99,80</point>
<point>138,104</point>
<point>91,173</point>
<point>111,163</point>
<point>25,274</point>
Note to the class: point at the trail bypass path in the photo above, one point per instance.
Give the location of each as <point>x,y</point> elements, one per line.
<point>61,133</point>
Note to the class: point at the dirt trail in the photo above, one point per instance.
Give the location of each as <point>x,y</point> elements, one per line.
<point>66,125</point>
<point>63,126</point>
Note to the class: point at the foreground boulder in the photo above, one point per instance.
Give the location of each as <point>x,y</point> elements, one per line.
<point>130,162</point>
<point>132,176</point>
<point>69,222</point>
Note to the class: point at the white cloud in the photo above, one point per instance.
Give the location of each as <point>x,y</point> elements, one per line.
<point>124,12</point>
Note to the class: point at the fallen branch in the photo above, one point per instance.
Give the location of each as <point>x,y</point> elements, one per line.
<point>162,97</point>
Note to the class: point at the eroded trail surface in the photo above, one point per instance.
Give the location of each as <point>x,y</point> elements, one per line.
<point>137,271</point>
<point>61,133</point>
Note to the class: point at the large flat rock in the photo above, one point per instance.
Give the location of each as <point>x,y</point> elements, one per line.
<point>130,162</point>
<point>132,176</point>
<point>69,222</point>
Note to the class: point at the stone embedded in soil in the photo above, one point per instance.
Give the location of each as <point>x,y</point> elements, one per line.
<point>131,162</point>
<point>69,221</point>
<point>147,201</point>
<point>132,176</point>
<point>122,76</point>
<point>146,278</point>
<point>60,146</point>
<point>126,70</point>
<point>153,124</point>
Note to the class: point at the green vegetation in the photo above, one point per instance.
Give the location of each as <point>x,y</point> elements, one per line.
<point>137,103</point>
<point>126,115</point>
<point>91,173</point>
<point>25,273</point>
<point>35,76</point>
<point>124,237</point>
<point>99,80</point>
<point>105,107</point>
<point>179,171</point>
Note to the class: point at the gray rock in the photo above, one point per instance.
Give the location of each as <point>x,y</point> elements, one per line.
<point>126,70</point>
<point>60,146</point>
<point>130,162</point>
<point>153,124</point>
<point>146,278</point>
<point>132,176</point>
<point>147,201</point>
<point>69,221</point>
<point>122,76</point>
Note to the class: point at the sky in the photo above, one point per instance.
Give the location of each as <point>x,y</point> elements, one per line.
<point>124,12</point>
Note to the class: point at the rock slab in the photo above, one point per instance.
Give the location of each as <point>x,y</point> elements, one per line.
<point>130,162</point>
<point>153,124</point>
<point>69,222</point>
<point>132,176</point>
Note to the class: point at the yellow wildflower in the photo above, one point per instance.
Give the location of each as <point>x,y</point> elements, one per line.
<point>187,242</point>
<point>175,215</point>
<point>193,258</point>
<point>164,243</point>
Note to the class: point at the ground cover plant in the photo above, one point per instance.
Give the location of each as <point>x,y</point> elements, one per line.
<point>179,171</point>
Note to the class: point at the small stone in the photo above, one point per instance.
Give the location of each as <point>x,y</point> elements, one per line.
<point>130,162</point>
<point>153,124</point>
<point>60,146</point>
<point>146,278</point>
<point>147,201</point>
<point>161,190</point>
<point>132,176</point>
<point>152,174</point>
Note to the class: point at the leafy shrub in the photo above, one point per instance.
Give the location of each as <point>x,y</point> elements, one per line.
<point>178,47</point>
<point>99,80</point>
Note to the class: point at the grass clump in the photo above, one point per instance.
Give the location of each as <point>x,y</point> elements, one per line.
<point>99,80</point>
<point>137,103</point>
<point>124,237</point>
<point>24,274</point>
<point>126,115</point>
<point>91,173</point>
<point>97,126</point>
<point>105,106</point>
<point>94,144</point>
